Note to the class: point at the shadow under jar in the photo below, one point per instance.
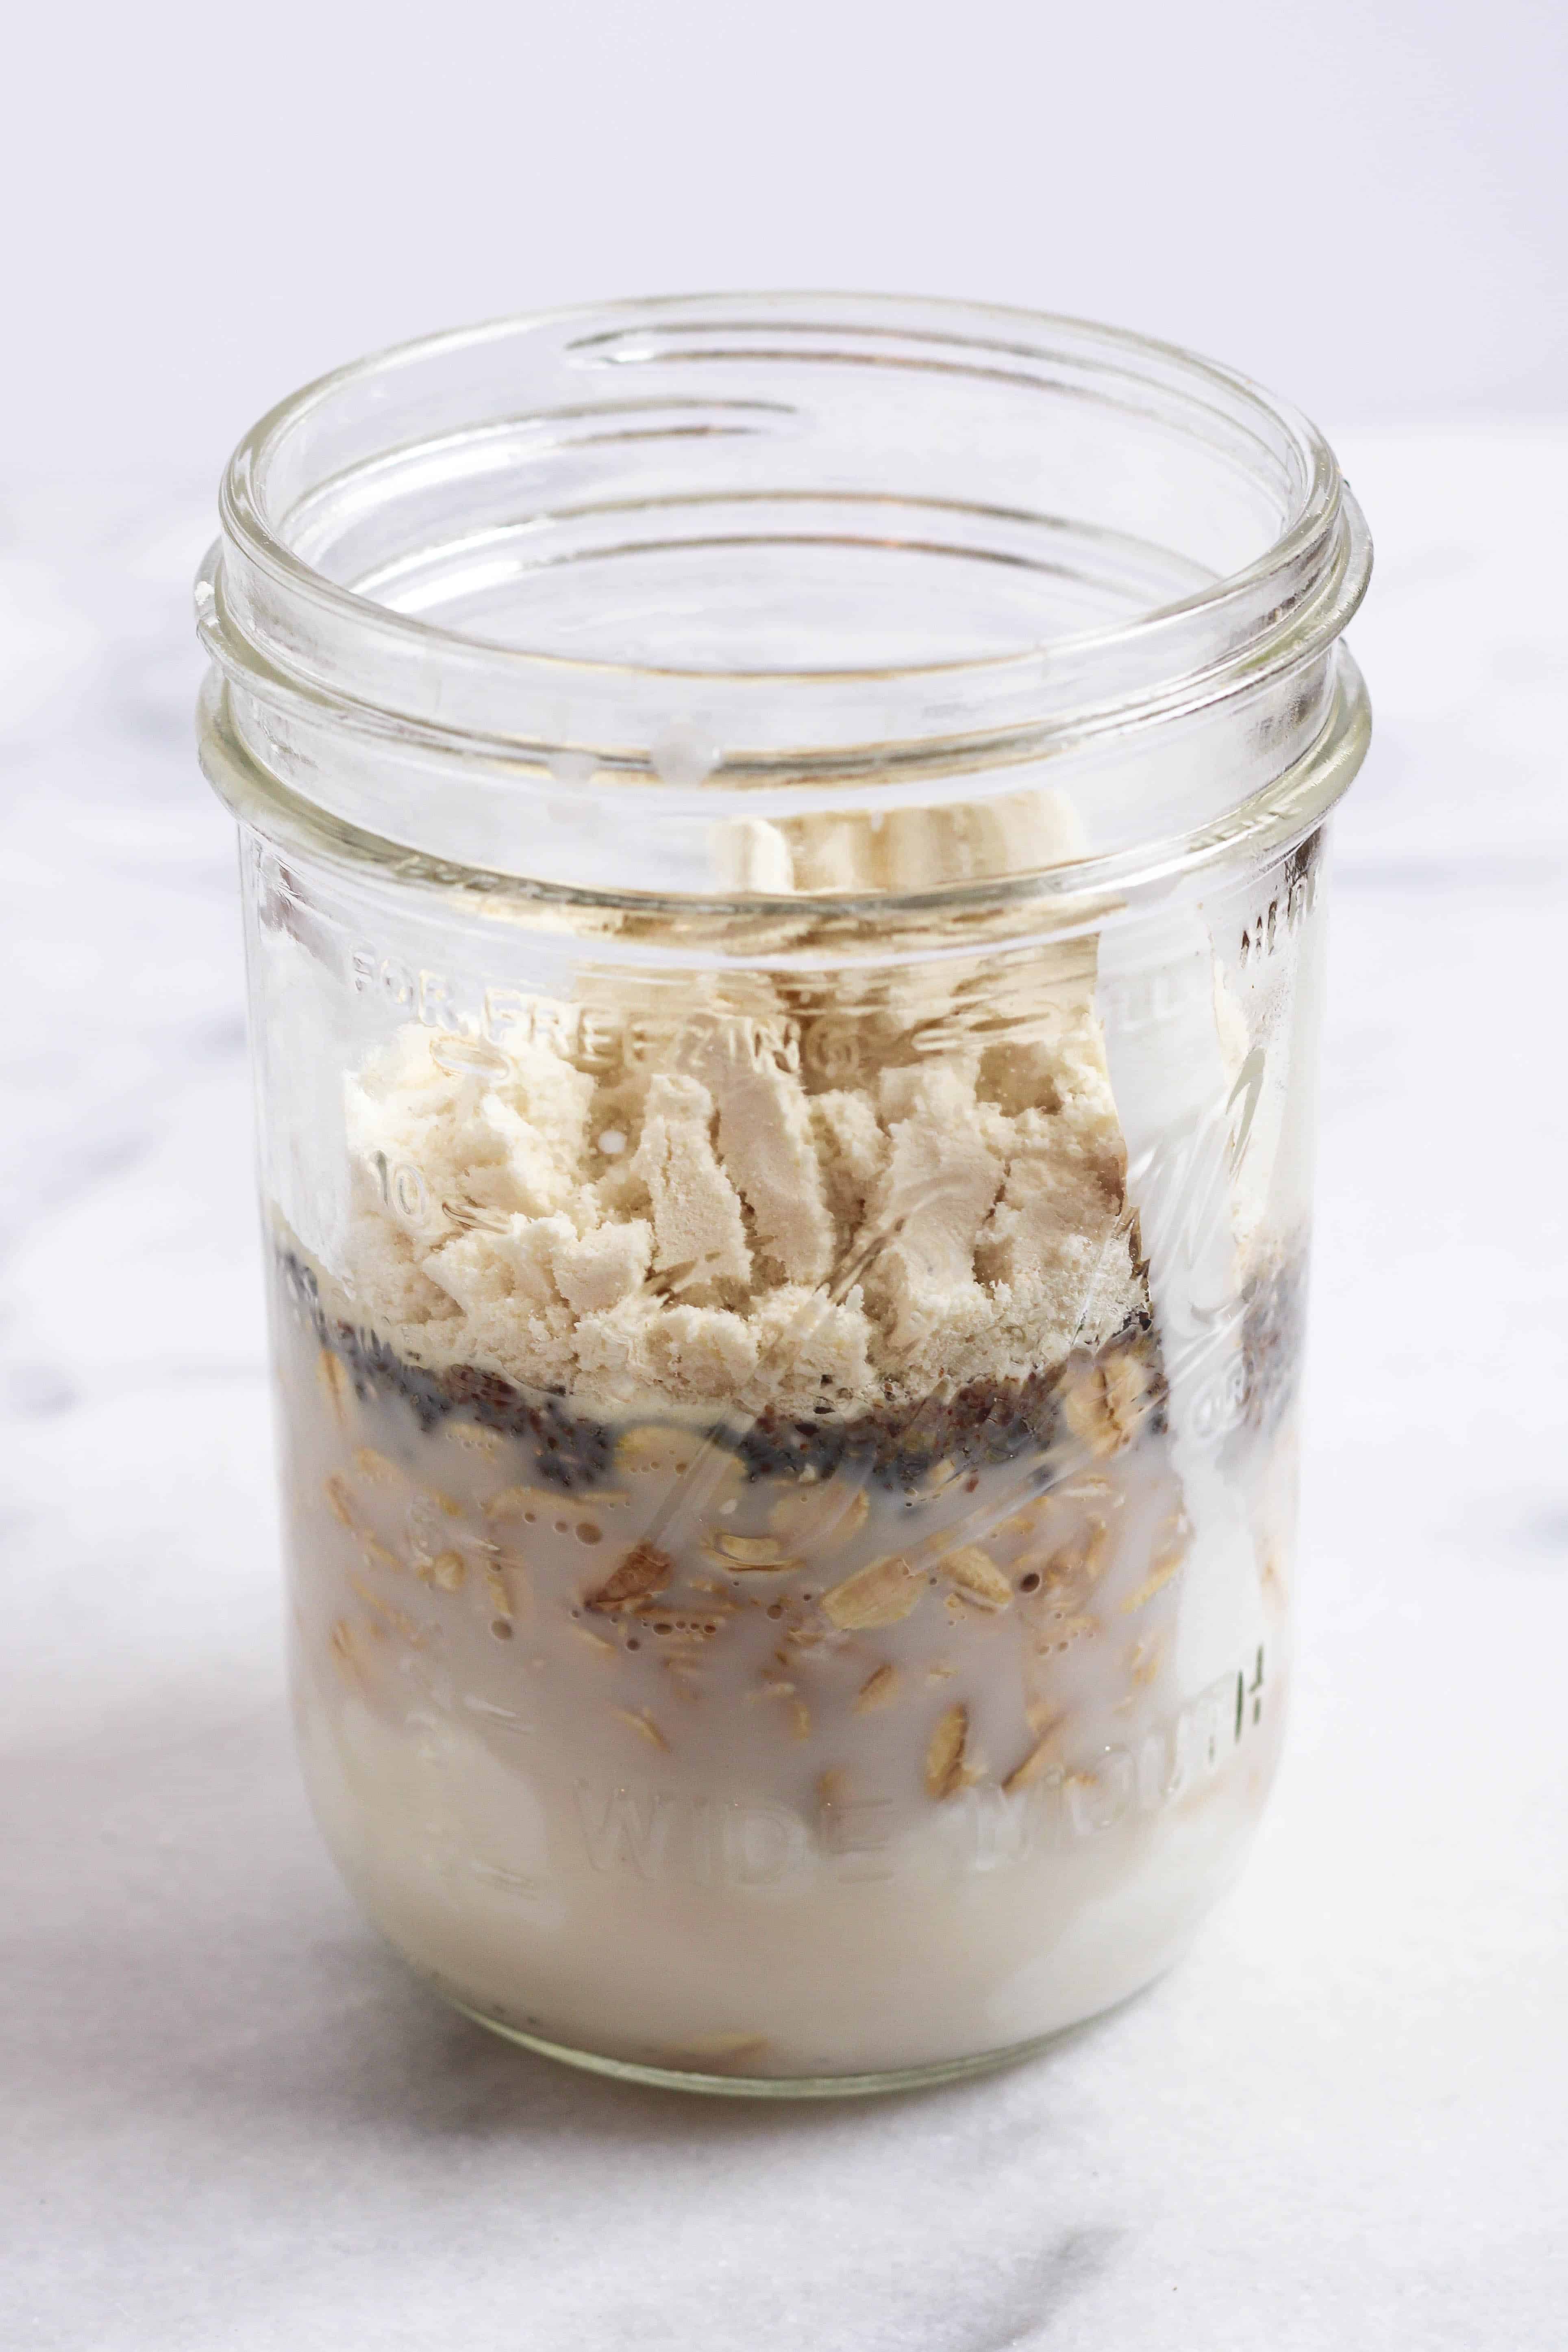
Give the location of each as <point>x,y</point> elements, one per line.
<point>783,849</point>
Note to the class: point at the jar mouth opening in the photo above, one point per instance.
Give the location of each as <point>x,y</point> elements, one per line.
<point>630,536</point>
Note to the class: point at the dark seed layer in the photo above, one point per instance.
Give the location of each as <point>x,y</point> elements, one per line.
<point>571,1451</point>
<point>971,1428</point>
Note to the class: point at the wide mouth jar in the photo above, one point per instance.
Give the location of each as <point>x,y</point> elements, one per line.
<point>780,837</point>
<point>568,600</point>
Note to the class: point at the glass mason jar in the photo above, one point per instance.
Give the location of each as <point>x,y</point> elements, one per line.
<point>783,849</point>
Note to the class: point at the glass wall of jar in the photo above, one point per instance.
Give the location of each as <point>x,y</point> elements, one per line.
<point>782,845</point>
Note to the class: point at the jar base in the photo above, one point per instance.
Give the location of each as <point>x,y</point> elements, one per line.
<point>730,2086</point>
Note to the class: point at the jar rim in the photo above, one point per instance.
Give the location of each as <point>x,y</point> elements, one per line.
<point>304,645</point>
<point>998,329</point>
<point>244,503</point>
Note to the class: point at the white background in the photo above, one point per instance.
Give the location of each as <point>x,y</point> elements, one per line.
<point>1363,203</point>
<point>232,2122</point>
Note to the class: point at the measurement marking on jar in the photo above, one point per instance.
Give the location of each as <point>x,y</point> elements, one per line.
<point>505,1719</point>
<point>505,1880</point>
<point>1288,909</point>
<point>403,1189</point>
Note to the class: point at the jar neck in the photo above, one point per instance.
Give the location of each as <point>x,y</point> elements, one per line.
<point>742,595</point>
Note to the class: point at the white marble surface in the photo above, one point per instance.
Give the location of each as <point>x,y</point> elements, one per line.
<point>232,2121</point>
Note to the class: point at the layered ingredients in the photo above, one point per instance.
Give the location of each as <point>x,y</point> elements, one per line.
<point>744,1461</point>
